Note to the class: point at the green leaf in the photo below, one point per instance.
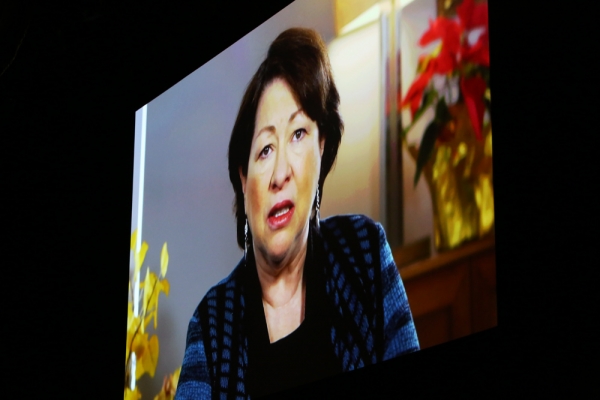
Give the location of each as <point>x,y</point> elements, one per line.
<point>442,114</point>
<point>426,148</point>
<point>485,74</point>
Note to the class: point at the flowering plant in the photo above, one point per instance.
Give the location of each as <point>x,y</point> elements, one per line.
<point>141,352</point>
<point>456,71</point>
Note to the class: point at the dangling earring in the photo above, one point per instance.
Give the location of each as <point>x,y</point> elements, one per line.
<point>318,213</point>
<point>246,241</point>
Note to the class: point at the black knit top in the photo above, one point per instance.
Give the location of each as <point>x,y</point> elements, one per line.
<point>306,354</point>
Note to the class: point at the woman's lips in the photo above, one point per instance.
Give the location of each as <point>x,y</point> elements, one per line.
<point>281,214</point>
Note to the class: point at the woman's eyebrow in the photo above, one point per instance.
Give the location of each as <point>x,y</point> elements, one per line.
<point>294,114</point>
<point>271,128</point>
<point>267,129</point>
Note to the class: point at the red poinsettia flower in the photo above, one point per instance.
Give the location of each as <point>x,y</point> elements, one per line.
<point>454,55</point>
<point>474,16</point>
<point>450,33</point>
<point>447,30</point>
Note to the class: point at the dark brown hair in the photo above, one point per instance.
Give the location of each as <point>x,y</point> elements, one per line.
<point>298,56</point>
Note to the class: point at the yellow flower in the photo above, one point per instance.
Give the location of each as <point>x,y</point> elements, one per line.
<point>164,260</point>
<point>132,394</point>
<point>145,347</point>
<point>169,386</point>
<point>138,256</point>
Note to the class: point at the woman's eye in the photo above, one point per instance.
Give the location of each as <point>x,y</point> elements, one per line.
<point>299,134</point>
<point>265,152</point>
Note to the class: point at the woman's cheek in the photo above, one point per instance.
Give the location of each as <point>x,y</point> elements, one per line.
<point>261,167</point>
<point>253,194</point>
<point>254,198</point>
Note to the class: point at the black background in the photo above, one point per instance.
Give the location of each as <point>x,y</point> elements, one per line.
<point>72,79</point>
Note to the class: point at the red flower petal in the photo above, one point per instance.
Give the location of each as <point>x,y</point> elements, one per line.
<point>473,90</point>
<point>480,16</point>
<point>415,92</point>
<point>431,34</point>
<point>414,106</point>
<point>465,12</point>
<point>444,63</point>
<point>442,28</point>
<point>472,15</point>
<point>451,39</point>
<point>479,53</point>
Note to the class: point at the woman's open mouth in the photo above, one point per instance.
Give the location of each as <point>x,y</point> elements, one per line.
<point>281,214</point>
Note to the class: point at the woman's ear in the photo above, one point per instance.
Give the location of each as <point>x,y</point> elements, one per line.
<point>243,179</point>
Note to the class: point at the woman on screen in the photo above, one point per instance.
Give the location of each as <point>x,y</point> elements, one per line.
<point>310,298</point>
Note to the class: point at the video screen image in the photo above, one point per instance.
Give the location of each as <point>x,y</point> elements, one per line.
<point>270,244</point>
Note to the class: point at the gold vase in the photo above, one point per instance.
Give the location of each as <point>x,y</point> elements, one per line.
<point>459,176</point>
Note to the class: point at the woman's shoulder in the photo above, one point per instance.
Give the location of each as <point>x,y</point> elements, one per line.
<point>216,297</point>
<point>353,239</point>
<point>357,245</point>
<point>210,335</point>
<point>351,225</point>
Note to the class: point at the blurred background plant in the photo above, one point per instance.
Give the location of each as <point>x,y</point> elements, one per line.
<point>454,74</point>
<point>142,349</point>
<point>455,147</point>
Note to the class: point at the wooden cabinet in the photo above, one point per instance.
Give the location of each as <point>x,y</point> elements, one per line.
<point>452,294</point>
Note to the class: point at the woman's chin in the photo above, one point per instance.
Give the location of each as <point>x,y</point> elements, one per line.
<point>279,248</point>
<point>277,254</point>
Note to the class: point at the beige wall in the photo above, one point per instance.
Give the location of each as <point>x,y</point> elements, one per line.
<point>354,184</point>
<point>418,214</point>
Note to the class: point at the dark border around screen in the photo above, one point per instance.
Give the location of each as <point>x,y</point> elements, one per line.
<point>68,102</point>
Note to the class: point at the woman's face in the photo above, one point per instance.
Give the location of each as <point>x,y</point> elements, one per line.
<point>283,174</point>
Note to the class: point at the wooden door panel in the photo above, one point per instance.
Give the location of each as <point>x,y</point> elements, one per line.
<point>485,311</point>
<point>434,328</point>
<point>440,304</point>
<point>451,294</point>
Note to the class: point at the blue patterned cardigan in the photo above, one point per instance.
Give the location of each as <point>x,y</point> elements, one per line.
<point>372,319</point>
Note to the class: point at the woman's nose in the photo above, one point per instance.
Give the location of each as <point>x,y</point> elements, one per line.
<point>281,173</point>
